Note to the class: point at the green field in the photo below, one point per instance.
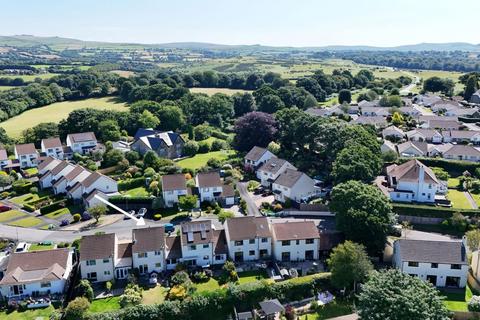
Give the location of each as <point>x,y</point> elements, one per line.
<point>201,159</point>
<point>56,112</point>
<point>29,78</point>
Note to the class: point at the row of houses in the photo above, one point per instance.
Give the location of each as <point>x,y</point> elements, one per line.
<point>432,135</point>
<point>279,175</point>
<point>75,181</point>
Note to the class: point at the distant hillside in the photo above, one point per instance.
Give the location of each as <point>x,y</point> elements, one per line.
<point>58,43</point>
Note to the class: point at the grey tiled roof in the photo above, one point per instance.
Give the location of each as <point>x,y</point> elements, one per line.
<point>449,252</point>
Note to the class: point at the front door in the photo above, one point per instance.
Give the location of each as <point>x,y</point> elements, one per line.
<point>17,290</point>
<point>432,279</point>
<point>239,256</point>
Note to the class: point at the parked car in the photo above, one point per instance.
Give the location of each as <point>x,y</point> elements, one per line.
<point>259,190</point>
<point>21,247</point>
<point>4,208</point>
<point>169,227</point>
<point>131,212</point>
<point>141,213</point>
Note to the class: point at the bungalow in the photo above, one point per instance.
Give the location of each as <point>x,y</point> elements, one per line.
<point>463,112</point>
<point>412,181</point>
<point>426,100</point>
<point>209,186</point>
<point>425,135</point>
<point>148,249</point>
<point>375,112</point>
<point>462,152</point>
<point>26,154</point>
<point>414,111</point>
<point>461,136</point>
<point>256,157</point>
<point>82,143</point>
<point>442,124</point>
<point>293,185</point>
<point>393,132</point>
<point>444,106</point>
<point>52,147</point>
<point>442,263</point>
<point>388,146</point>
<point>173,187</point>
<point>437,150</point>
<point>295,241</point>
<point>413,149</point>
<point>248,238</point>
<point>165,144</point>
<point>377,122</point>
<point>3,158</point>
<point>369,104</point>
<point>37,273</point>
<point>271,169</point>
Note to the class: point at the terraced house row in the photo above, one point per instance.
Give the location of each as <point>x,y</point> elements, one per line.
<point>105,257</point>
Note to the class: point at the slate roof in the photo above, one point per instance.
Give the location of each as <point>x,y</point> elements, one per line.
<point>271,307</point>
<point>148,239</point>
<point>249,227</point>
<point>97,247</point>
<point>208,179</point>
<point>460,134</point>
<point>219,242</point>
<point>153,138</point>
<point>289,178</point>
<point>448,252</point>
<point>82,137</point>
<point>294,230</point>
<point>273,165</point>
<point>174,182</point>
<point>255,153</point>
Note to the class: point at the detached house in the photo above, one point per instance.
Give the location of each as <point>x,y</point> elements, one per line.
<point>412,181</point>
<point>425,135</point>
<point>271,169</point>
<point>461,136</point>
<point>442,263</point>
<point>173,187</point>
<point>26,154</point>
<point>37,273</point>
<point>462,152</point>
<point>293,185</point>
<point>375,112</point>
<point>94,182</point>
<point>248,238</point>
<point>166,144</point>
<point>210,186</point>
<point>256,157</point>
<point>82,143</point>
<point>148,249</point>
<point>394,132</point>
<point>52,147</point>
<point>413,149</point>
<point>295,241</point>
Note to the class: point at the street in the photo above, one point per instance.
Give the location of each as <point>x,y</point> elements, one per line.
<point>251,206</point>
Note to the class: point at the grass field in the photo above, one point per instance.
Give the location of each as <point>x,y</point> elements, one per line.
<point>29,78</point>
<point>212,91</point>
<point>26,222</point>
<point>201,159</point>
<point>56,112</point>
<point>4,88</point>
<point>459,200</point>
<point>12,214</point>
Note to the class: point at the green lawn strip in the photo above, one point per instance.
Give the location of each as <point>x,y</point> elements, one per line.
<point>104,305</point>
<point>10,215</point>
<point>251,276</point>
<point>58,214</point>
<point>28,314</point>
<point>476,197</point>
<point>27,222</point>
<point>453,183</point>
<point>154,295</point>
<point>201,159</point>
<point>40,247</point>
<point>31,171</point>
<point>457,300</point>
<point>136,192</point>
<point>25,198</point>
<point>331,310</point>
<point>210,285</point>
<point>459,200</point>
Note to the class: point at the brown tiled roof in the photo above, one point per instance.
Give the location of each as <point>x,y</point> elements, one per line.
<point>92,178</point>
<point>201,232</point>
<point>444,124</point>
<point>288,178</point>
<point>273,165</point>
<point>228,191</point>
<point>173,247</point>
<point>36,266</point>
<point>3,154</point>
<point>94,193</point>
<point>174,182</point>
<point>209,179</point>
<point>124,250</point>
<point>421,146</point>
<point>219,242</point>
<point>100,246</point>
<point>46,162</point>
<point>244,228</point>
<point>295,230</point>
<point>148,239</point>
<point>409,171</point>
<point>81,137</point>
<point>52,143</point>
<point>62,165</point>
<point>255,153</point>
<point>23,149</point>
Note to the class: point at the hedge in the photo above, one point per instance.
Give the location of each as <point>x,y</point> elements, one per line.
<point>453,167</point>
<point>429,211</point>
<point>22,186</point>
<point>131,183</point>
<point>54,206</point>
<point>122,199</point>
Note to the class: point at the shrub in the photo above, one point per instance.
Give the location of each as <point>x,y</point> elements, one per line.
<point>54,206</point>
<point>252,185</point>
<point>108,286</point>
<point>131,183</point>
<point>180,278</point>
<point>149,172</point>
<point>474,304</point>
<point>131,296</point>
<point>177,292</point>
<point>190,148</point>
<point>84,289</point>
<point>224,215</point>
<point>202,132</point>
<point>157,217</point>
<point>214,163</point>
<point>86,216</point>
<point>277,207</point>
<point>219,135</point>
<point>77,308</point>
<point>22,186</point>
<point>218,145</point>
<point>5,194</point>
<point>200,276</point>
<point>77,217</point>
<point>64,223</point>
<point>33,190</point>
<point>203,147</point>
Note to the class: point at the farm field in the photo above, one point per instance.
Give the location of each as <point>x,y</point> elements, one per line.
<point>123,73</point>
<point>4,88</point>
<point>27,77</point>
<point>56,112</point>
<point>212,91</point>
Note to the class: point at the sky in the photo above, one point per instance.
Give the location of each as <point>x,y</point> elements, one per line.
<point>266,22</point>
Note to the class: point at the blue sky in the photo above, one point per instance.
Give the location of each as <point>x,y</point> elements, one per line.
<point>267,22</point>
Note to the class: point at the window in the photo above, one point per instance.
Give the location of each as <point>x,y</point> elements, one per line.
<point>423,194</point>
<point>434,265</point>
<point>142,255</point>
<point>158,253</point>
<point>158,265</point>
<point>309,241</point>
<point>206,257</point>
<point>218,257</point>
<point>430,186</point>
<point>106,260</point>
<point>412,264</point>
<point>398,195</point>
<point>456,266</point>
<point>238,243</point>
<point>45,285</point>
<point>285,243</point>
<point>251,252</point>
<point>92,276</point>
<point>91,262</point>
<point>193,247</point>
<point>251,241</point>
<point>297,242</point>
<point>107,273</point>
<point>205,246</point>
<point>264,240</point>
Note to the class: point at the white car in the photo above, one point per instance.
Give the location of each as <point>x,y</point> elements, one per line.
<point>21,247</point>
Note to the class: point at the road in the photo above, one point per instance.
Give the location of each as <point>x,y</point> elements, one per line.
<point>407,89</point>
<point>251,206</point>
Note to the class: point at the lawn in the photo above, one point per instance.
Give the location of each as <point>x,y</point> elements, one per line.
<point>212,91</point>
<point>251,276</point>
<point>31,171</point>
<point>136,192</point>
<point>40,247</point>
<point>476,197</point>
<point>201,159</point>
<point>331,310</point>
<point>104,305</point>
<point>28,77</point>
<point>12,214</point>
<point>27,222</point>
<point>58,213</point>
<point>457,300</point>
<point>210,285</point>
<point>459,200</point>
<point>25,198</point>
<point>29,314</point>
<point>154,295</point>
<point>453,183</point>
<point>56,112</point>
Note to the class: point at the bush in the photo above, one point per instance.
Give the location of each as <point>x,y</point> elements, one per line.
<point>131,183</point>
<point>214,163</point>
<point>474,304</point>
<point>277,207</point>
<point>33,190</point>
<point>157,217</point>
<point>77,308</point>
<point>202,132</point>
<point>429,211</point>
<point>131,296</point>
<point>180,278</point>
<point>64,223</point>
<point>252,185</point>
<point>190,148</point>
<point>200,276</point>
<point>177,292</point>
<point>203,147</point>
<point>86,216</point>
<point>219,135</point>
<point>77,217</point>
<point>108,286</point>
<point>84,289</point>
<point>218,145</point>
<point>22,186</point>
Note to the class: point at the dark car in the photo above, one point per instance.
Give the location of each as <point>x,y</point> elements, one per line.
<point>4,208</point>
<point>259,190</point>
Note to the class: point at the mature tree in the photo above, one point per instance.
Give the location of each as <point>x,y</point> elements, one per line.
<point>132,156</point>
<point>344,96</point>
<point>243,103</point>
<point>148,120</point>
<point>370,95</point>
<point>109,130</point>
<point>349,265</point>
<point>394,295</point>
<point>84,289</point>
<point>188,202</point>
<point>440,173</point>
<point>270,104</point>
<point>356,162</point>
<point>76,309</point>
<point>312,86</point>
<point>437,84</point>
<point>254,129</point>
<point>171,118</point>
<point>41,131</point>
<point>274,147</point>
<point>363,214</point>
<point>190,148</point>
<point>473,239</point>
<point>470,87</point>
<point>4,138</point>
<point>112,157</point>
<point>5,180</point>
<point>97,211</point>
<point>149,158</point>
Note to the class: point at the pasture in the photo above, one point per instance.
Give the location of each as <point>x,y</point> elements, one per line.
<point>28,77</point>
<point>56,112</point>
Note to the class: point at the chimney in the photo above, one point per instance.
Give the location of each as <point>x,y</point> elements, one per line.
<point>421,174</point>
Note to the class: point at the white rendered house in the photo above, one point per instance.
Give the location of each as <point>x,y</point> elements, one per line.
<point>271,169</point>
<point>173,187</point>
<point>148,249</point>
<point>295,241</point>
<point>209,186</point>
<point>26,154</point>
<point>82,143</point>
<point>256,157</point>
<point>293,185</point>
<point>52,147</point>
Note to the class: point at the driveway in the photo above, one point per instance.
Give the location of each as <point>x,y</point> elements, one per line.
<point>252,208</point>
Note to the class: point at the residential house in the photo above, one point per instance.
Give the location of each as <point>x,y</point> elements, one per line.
<point>294,185</point>
<point>248,238</point>
<point>47,164</point>
<point>375,112</point>
<point>444,106</point>
<point>295,241</point>
<point>463,112</point>
<point>3,158</point>
<point>369,104</point>
<point>165,144</point>
<point>55,174</point>
<point>377,121</point>
<point>437,150</point>
<point>393,132</point>
<point>412,181</point>
<point>425,135</point>
<point>78,174</point>
<point>442,263</point>
<point>173,187</point>
<point>271,169</point>
<point>52,147</point>
<point>426,99</point>
<point>462,152</point>
<point>148,249</point>
<point>442,124</point>
<point>98,254</point>
<point>269,310</point>
<point>94,181</point>
<point>26,154</point>
<point>388,146</point>
<point>413,111</point>
<point>37,273</point>
<point>209,186</point>
<point>475,98</point>
<point>413,149</point>
<point>173,251</point>
<point>256,157</point>
<point>461,136</point>
<point>82,143</point>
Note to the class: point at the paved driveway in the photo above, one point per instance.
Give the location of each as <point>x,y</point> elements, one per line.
<point>252,208</point>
